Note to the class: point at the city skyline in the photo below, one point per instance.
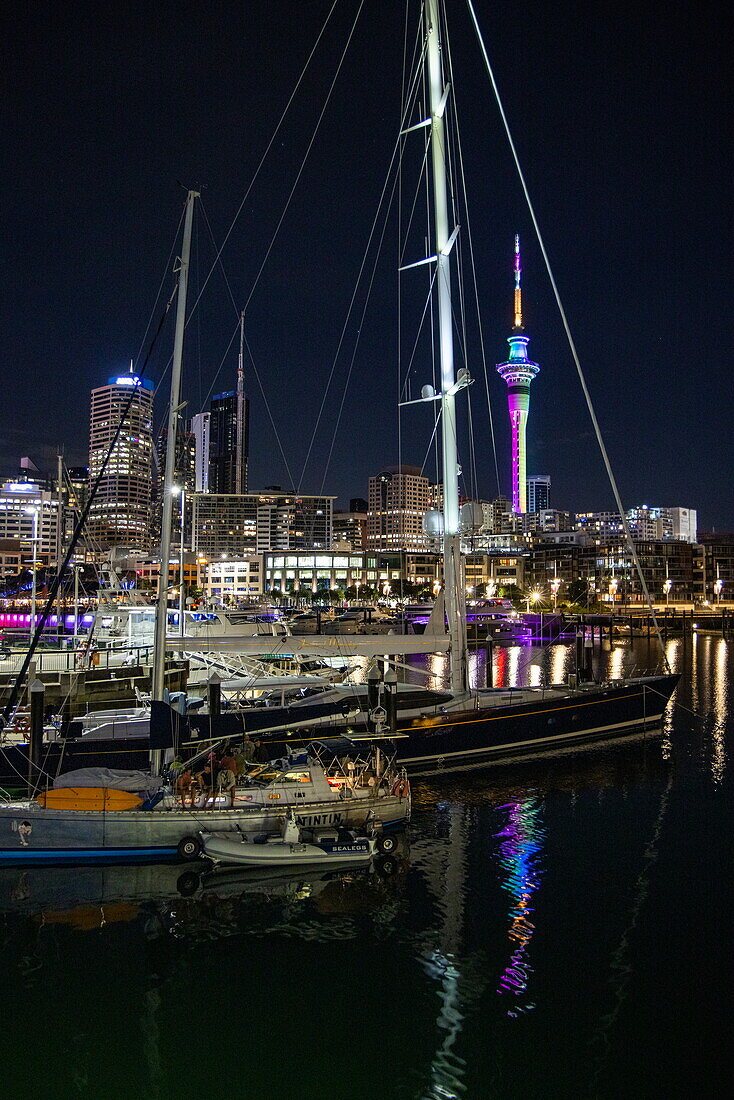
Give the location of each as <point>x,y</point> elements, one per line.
<point>637,237</point>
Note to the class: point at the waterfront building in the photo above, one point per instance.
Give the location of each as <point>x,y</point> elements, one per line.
<point>718,566</point>
<point>121,511</point>
<point>518,372</point>
<point>497,572</point>
<point>538,492</point>
<point>251,523</point>
<point>416,569</point>
<point>645,522</point>
<point>322,572</point>
<point>399,497</point>
<point>234,580</point>
<point>671,568</point>
<point>500,570</point>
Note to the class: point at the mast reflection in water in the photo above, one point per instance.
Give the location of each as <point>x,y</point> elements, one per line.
<point>520,857</point>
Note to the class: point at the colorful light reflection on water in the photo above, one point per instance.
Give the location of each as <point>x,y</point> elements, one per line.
<point>521,842</point>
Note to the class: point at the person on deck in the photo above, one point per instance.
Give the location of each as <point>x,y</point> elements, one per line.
<point>227,776</point>
<point>205,781</point>
<point>185,786</point>
<point>262,754</point>
<point>248,749</point>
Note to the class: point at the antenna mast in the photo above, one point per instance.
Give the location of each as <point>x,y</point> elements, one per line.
<point>518,292</point>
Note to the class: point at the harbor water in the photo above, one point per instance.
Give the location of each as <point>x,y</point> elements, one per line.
<point>557,927</point>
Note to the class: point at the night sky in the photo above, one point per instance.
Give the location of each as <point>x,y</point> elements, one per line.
<point>620,113</point>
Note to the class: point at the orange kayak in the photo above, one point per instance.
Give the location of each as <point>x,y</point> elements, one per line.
<point>89,798</point>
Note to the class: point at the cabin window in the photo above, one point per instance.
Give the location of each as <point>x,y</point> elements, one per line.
<point>297,777</point>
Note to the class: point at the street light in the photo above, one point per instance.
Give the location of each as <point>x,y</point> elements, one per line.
<point>555,584</point>
<point>179,490</point>
<point>666,589</point>
<point>33,510</point>
<point>533,597</point>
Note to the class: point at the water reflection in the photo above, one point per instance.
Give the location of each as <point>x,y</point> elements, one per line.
<point>721,692</point>
<point>200,903</point>
<point>521,844</point>
<point>444,967</point>
<point>442,963</point>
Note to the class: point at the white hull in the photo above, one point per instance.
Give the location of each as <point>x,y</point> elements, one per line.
<point>29,832</point>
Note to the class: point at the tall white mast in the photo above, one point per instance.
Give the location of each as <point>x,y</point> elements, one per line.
<point>161,619</point>
<point>239,472</point>
<point>453,565</point>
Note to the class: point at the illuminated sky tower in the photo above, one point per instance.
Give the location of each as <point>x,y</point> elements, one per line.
<point>518,372</point>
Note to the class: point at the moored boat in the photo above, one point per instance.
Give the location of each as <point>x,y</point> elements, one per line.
<point>337,784</point>
<point>295,847</point>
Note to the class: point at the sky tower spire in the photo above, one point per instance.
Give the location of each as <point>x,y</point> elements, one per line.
<point>518,292</point>
<point>518,372</point>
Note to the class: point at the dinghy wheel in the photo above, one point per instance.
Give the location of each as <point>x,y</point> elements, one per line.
<point>188,884</point>
<point>387,843</point>
<point>189,847</point>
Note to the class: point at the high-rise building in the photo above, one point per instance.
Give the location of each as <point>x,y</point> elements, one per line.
<point>251,523</point>
<point>227,447</point>
<point>399,497</point>
<point>349,529</point>
<point>28,524</point>
<point>120,513</point>
<point>200,425</point>
<point>538,492</point>
<point>518,372</point>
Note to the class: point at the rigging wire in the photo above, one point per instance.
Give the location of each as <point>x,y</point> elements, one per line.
<point>268,147</point>
<point>307,153</point>
<point>569,336</point>
<point>249,352</point>
<point>365,253</point>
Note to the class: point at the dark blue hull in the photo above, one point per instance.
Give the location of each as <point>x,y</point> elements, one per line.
<point>478,736</point>
<point>72,856</point>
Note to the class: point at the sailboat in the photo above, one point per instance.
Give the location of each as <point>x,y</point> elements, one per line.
<point>100,814</point>
<point>459,727</point>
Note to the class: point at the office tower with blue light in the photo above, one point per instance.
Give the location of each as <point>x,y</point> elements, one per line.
<point>120,514</point>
